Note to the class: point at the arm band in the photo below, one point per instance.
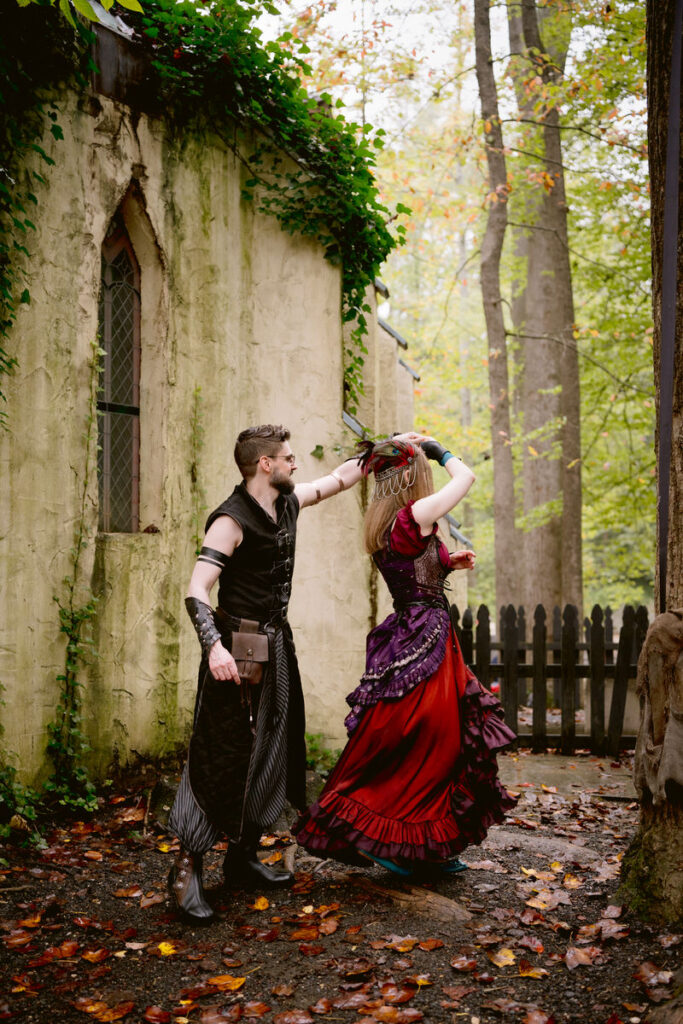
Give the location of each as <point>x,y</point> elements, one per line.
<point>213,557</point>
<point>203,622</point>
<point>342,485</point>
<point>445,457</point>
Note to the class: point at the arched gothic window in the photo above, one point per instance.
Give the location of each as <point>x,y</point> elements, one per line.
<point>119,398</point>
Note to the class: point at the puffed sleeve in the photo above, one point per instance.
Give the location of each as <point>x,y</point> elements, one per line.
<point>406,538</point>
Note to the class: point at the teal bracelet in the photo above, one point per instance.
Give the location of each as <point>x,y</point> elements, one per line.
<point>445,457</point>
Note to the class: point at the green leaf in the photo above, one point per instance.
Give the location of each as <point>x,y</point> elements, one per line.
<point>318,452</point>
<point>131,5</point>
<point>25,297</point>
<point>84,8</point>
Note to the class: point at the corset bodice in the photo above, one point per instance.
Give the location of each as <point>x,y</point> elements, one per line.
<point>415,580</point>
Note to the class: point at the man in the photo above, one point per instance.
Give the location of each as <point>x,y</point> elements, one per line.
<point>247,753</point>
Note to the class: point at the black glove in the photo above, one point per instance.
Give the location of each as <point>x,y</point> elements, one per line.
<point>433,450</point>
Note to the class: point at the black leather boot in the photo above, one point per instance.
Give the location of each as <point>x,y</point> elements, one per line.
<point>185,885</point>
<point>241,866</point>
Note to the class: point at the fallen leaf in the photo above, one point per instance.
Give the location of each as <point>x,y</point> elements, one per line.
<point>322,1006</point>
<point>419,980</point>
<point>87,1005</point>
<point>527,970</point>
<point>538,1017</point>
<point>484,978</point>
<point>458,992</point>
<point>17,939</point>
<point>393,993</point>
<point>530,942</point>
<point>503,958</point>
<point>32,921</point>
<point>155,1015</point>
<point>402,945</point>
<point>649,974</point>
<point>272,858</point>
<point>429,944</point>
<point>226,982</point>
<point>261,903</point>
<point>463,963</point>
<point>150,899</point>
<point>117,1012</point>
<point>575,957</point>
<point>168,948</point>
<point>350,1000</point>
<point>328,926</point>
<point>282,990</point>
<point>95,956</point>
<point>255,1009</point>
<point>610,929</point>
<point>304,934</point>
<point>612,911</point>
<point>311,948</point>
<point>131,893</point>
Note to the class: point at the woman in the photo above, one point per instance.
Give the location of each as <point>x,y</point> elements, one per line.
<point>417,780</point>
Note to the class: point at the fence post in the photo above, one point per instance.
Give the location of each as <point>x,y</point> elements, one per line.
<point>570,633</point>
<point>510,644</point>
<point>597,681</point>
<point>455,622</point>
<point>521,654</point>
<point>467,637</point>
<point>483,669</point>
<point>621,674</point>
<point>609,636</point>
<point>540,691</point>
<point>557,655</point>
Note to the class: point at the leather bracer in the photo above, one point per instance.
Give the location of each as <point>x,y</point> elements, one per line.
<point>203,622</point>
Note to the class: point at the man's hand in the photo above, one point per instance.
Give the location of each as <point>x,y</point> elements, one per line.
<point>222,664</point>
<point>462,559</point>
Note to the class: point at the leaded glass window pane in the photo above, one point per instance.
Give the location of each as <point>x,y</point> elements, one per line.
<point>119,399</point>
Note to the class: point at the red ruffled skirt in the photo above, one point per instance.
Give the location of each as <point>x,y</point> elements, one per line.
<point>417,780</point>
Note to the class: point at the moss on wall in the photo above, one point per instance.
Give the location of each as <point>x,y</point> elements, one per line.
<point>230,303</point>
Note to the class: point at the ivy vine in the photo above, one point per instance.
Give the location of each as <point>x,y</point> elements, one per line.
<point>37,49</point>
<point>70,784</point>
<point>213,59</point>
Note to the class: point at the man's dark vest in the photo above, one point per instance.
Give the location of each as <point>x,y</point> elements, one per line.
<point>257,582</point>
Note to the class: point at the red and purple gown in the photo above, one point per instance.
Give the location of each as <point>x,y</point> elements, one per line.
<point>418,779</point>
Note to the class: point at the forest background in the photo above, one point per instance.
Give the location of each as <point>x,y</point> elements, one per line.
<point>569,132</point>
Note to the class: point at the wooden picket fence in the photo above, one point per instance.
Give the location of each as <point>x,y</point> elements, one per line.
<point>561,653</point>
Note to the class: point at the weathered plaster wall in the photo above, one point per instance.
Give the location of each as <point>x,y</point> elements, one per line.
<point>230,303</point>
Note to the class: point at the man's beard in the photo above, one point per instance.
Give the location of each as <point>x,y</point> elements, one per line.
<point>282,484</point>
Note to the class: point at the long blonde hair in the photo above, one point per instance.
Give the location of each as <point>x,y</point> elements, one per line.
<point>381,513</point>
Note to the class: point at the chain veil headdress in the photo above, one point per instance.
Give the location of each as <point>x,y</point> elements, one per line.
<point>389,460</point>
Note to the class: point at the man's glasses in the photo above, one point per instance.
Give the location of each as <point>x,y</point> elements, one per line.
<point>291,459</point>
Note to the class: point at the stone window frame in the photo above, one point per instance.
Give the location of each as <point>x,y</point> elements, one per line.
<point>156,376</point>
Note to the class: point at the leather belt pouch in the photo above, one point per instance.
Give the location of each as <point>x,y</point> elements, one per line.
<point>249,648</point>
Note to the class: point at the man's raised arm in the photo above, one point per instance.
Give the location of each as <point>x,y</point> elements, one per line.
<point>344,476</point>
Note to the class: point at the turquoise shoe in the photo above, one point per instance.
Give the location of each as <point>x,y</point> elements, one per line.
<point>452,867</point>
<point>388,865</point>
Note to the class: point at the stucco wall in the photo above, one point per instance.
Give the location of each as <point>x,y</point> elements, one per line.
<point>230,303</point>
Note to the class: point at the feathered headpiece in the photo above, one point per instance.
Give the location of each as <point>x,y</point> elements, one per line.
<point>388,460</point>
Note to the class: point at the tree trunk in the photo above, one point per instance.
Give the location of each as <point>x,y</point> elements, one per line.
<point>505,535</point>
<point>547,385</point>
<point>660,28</point>
<point>652,871</point>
